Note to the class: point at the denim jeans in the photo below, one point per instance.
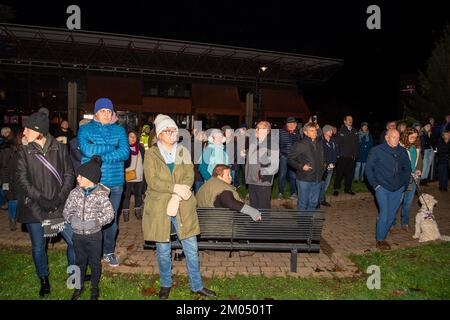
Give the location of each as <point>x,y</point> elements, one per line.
<point>360,166</point>
<point>163,253</point>
<point>308,195</point>
<point>428,157</point>
<point>283,171</point>
<point>110,231</point>
<point>12,209</point>
<point>324,185</point>
<point>388,203</point>
<point>406,202</point>
<point>38,247</point>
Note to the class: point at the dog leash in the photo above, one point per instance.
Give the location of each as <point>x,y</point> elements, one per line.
<point>419,192</point>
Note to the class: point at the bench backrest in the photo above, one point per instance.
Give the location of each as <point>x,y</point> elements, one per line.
<point>284,225</point>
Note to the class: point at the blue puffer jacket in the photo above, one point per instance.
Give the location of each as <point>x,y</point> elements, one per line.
<point>388,167</point>
<point>110,142</point>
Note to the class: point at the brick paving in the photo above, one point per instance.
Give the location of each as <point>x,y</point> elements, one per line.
<point>349,228</point>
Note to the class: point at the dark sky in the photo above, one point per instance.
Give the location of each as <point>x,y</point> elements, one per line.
<point>373,59</point>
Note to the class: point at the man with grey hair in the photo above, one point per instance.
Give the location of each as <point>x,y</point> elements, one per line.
<point>307,157</point>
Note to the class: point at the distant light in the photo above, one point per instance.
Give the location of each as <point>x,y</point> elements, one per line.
<point>264,68</point>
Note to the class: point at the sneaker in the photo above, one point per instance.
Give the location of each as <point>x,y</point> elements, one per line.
<point>293,196</point>
<point>280,196</point>
<point>111,259</point>
<point>350,192</point>
<point>326,204</point>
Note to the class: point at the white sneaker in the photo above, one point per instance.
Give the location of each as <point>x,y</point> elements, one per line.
<point>280,196</point>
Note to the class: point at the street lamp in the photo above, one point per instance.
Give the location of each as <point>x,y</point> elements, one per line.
<point>259,110</point>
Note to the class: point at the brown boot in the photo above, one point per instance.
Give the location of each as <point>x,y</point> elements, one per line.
<point>138,213</point>
<point>126,215</point>
<point>383,245</point>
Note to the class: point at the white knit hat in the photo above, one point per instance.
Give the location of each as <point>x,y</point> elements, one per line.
<point>163,122</point>
<point>216,132</point>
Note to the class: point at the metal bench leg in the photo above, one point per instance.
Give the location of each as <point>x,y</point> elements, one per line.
<point>294,253</point>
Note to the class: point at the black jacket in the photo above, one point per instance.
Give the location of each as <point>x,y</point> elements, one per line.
<point>307,152</point>
<point>8,157</point>
<point>34,180</point>
<point>348,143</point>
<point>443,152</point>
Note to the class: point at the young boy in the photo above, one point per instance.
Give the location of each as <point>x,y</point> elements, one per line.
<point>88,209</point>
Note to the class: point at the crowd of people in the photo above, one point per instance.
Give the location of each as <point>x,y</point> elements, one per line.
<point>78,186</point>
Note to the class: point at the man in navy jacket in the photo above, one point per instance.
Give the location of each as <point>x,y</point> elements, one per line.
<point>388,169</point>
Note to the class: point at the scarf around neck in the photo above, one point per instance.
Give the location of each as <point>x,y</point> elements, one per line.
<point>168,157</point>
<point>134,148</point>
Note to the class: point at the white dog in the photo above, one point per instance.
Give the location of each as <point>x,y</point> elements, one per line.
<point>426,226</point>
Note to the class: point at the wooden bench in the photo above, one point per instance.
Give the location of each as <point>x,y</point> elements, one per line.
<point>280,230</point>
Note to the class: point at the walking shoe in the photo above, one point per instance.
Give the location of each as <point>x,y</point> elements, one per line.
<point>164,293</point>
<point>405,228</point>
<point>87,278</point>
<point>77,294</point>
<point>205,292</point>
<point>126,215</point>
<point>45,286</point>
<point>12,224</point>
<point>179,256</point>
<point>111,259</point>
<point>138,213</point>
<point>350,192</point>
<point>383,245</point>
<point>280,196</point>
<point>95,293</point>
<point>293,196</point>
<point>326,204</point>
<point>335,193</point>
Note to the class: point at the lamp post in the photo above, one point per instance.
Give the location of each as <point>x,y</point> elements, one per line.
<point>258,96</point>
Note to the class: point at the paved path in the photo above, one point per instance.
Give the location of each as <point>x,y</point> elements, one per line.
<point>349,228</point>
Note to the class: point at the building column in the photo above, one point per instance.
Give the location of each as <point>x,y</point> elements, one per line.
<point>72,114</point>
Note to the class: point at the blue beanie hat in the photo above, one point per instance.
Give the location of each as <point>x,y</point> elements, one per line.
<point>103,103</point>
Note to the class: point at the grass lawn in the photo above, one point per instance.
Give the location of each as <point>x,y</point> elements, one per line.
<point>356,187</point>
<point>415,273</point>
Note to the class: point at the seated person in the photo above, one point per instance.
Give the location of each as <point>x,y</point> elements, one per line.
<point>218,192</point>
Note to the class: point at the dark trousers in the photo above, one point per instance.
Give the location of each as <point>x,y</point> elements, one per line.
<point>260,196</point>
<point>136,188</point>
<point>344,167</point>
<point>88,249</point>
<point>443,175</point>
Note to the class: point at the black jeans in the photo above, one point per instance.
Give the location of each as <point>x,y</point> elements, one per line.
<point>344,167</point>
<point>136,188</point>
<point>260,196</point>
<point>88,249</point>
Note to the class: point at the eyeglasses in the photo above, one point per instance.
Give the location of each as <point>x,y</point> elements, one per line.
<point>170,132</point>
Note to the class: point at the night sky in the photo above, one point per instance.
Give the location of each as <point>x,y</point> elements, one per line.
<point>374,60</point>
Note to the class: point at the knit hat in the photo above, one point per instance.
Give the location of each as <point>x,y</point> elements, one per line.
<point>327,128</point>
<point>225,128</point>
<point>364,124</point>
<point>92,169</point>
<point>163,122</point>
<point>103,103</point>
<point>290,120</point>
<point>216,132</point>
<point>38,121</point>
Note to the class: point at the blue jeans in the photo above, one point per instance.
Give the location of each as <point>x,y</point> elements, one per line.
<point>324,185</point>
<point>163,253</point>
<point>428,156</point>
<point>12,209</point>
<point>283,171</point>
<point>406,202</point>
<point>360,166</point>
<point>38,247</point>
<point>388,203</point>
<point>110,231</point>
<point>308,195</point>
